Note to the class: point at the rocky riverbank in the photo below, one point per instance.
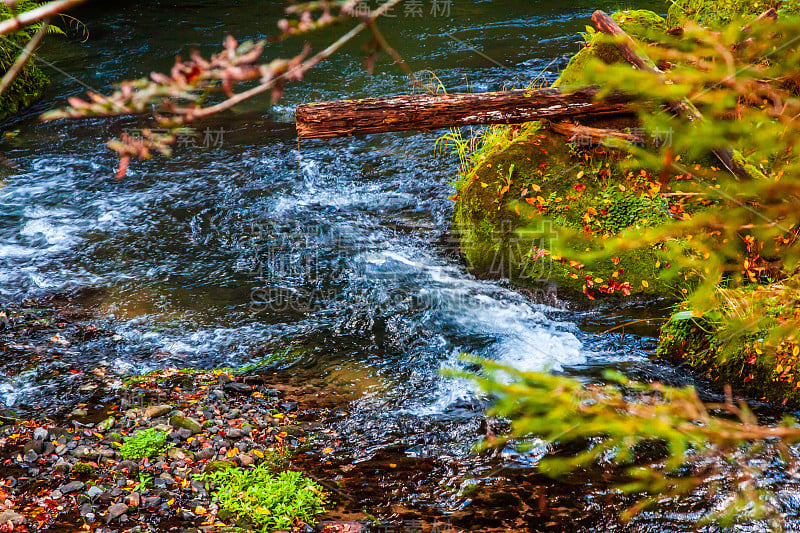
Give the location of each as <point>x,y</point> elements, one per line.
<point>137,464</point>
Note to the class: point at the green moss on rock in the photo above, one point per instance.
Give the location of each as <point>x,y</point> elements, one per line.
<point>529,188</point>
<point>27,87</point>
<point>719,13</point>
<point>640,23</point>
<point>758,359</point>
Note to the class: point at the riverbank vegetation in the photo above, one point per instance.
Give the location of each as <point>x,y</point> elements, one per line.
<point>29,84</point>
<point>725,242</point>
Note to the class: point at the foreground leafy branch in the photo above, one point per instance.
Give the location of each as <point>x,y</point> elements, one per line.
<point>716,448</point>
<point>180,97</point>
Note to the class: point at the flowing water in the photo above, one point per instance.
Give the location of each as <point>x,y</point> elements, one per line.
<point>246,244</point>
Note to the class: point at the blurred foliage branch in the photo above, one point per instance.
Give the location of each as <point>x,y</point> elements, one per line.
<point>180,96</point>
<point>710,448</point>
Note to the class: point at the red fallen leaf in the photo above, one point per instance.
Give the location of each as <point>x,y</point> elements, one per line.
<point>580,187</point>
<point>748,378</point>
<point>124,161</point>
<point>530,200</point>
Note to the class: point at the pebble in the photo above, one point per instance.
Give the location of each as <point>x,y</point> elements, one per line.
<point>116,510</point>
<point>128,465</point>
<point>234,433</point>
<point>56,495</point>
<point>71,487</point>
<point>30,457</point>
<point>245,459</point>
<point>40,433</point>
<point>240,388</point>
<point>151,501</point>
<point>94,491</point>
<point>206,453</point>
<point>34,445</point>
<point>187,423</point>
<point>184,433</point>
<point>155,411</point>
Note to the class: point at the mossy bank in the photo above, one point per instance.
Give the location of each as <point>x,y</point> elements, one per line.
<point>29,85</point>
<point>531,197</point>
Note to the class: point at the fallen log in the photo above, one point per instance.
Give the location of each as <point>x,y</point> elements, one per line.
<point>430,112</point>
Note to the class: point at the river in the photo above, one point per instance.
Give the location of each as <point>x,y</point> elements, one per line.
<point>244,243</point>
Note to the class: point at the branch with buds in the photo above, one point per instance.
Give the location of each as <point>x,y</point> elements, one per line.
<point>178,98</point>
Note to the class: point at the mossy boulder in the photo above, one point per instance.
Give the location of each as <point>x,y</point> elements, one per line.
<point>27,87</point>
<point>529,189</point>
<point>749,341</point>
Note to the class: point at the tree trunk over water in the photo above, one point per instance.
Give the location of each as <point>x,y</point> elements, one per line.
<point>430,112</point>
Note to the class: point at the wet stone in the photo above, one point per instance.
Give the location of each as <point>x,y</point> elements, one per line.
<point>93,492</point>
<point>72,487</point>
<point>206,453</point>
<point>116,511</point>
<point>40,433</point>
<point>234,433</point>
<point>186,423</point>
<point>240,388</point>
<point>30,457</point>
<point>129,466</point>
<point>34,445</point>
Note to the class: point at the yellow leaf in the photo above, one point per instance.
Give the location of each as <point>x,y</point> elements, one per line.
<point>327,450</point>
<point>259,454</point>
<point>796,351</point>
<point>645,284</point>
<point>200,510</point>
<point>484,185</point>
<point>536,188</point>
<point>779,368</point>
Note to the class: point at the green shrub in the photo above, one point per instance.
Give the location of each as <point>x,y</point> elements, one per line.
<point>145,443</point>
<point>265,500</point>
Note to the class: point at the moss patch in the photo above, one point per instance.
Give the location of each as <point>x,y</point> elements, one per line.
<point>26,88</point>
<point>30,83</point>
<point>718,13</point>
<point>761,359</point>
<point>529,188</point>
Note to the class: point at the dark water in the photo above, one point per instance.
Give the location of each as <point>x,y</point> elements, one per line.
<point>245,245</point>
